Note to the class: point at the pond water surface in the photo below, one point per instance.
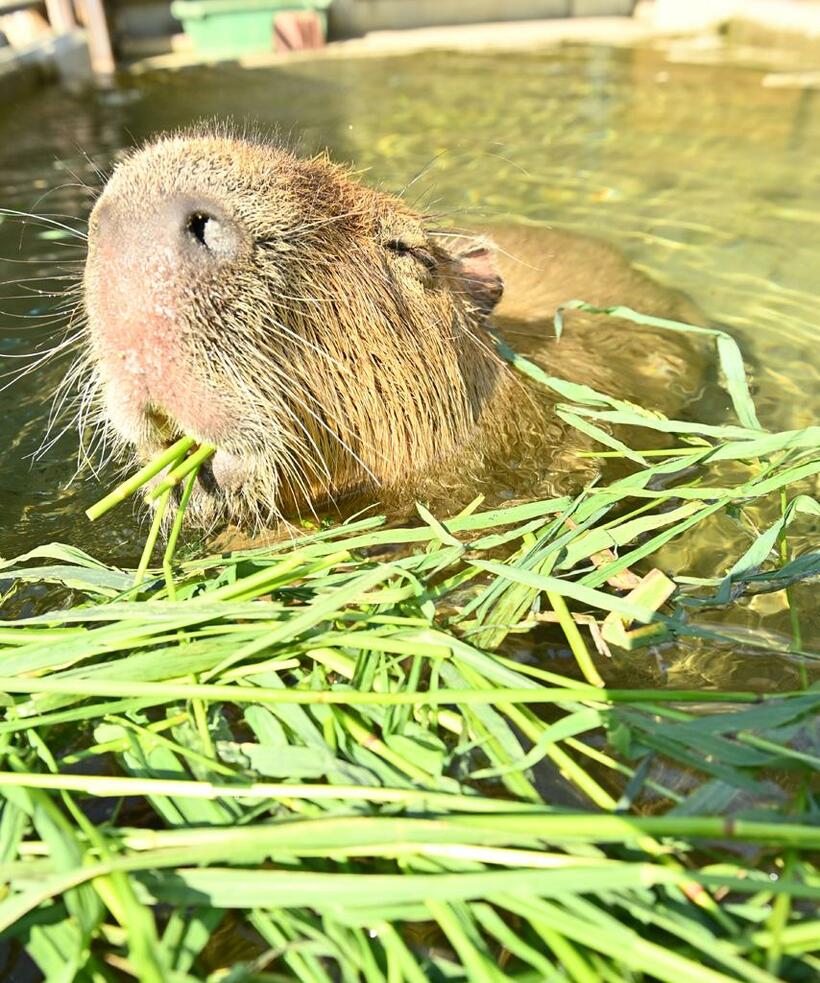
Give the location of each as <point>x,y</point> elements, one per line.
<point>704,177</point>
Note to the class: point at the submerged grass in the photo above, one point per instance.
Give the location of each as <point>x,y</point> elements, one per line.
<point>321,747</point>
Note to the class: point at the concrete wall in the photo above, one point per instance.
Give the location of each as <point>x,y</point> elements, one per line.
<point>349,18</point>
<point>141,18</point>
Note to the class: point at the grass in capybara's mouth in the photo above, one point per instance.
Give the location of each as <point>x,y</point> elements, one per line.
<point>323,743</point>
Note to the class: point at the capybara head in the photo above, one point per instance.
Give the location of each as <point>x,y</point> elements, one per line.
<point>320,333</point>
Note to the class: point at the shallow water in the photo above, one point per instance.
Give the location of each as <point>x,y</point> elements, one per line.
<point>705,178</point>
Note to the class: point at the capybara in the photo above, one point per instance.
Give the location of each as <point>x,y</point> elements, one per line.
<point>333,343</point>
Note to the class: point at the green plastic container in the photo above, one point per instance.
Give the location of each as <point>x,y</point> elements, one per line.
<point>238,27</point>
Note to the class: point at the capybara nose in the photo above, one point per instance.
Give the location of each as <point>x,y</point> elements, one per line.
<point>188,230</point>
<point>209,231</point>
<point>152,260</point>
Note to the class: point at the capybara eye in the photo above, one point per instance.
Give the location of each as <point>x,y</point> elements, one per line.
<point>397,246</point>
<point>403,249</point>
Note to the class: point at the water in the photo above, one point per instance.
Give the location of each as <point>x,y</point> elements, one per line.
<point>706,179</point>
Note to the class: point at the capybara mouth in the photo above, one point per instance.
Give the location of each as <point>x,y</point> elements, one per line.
<point>209,501</point>
<point>224,491</point>
<point>223,469</point>
<point>221,480</point>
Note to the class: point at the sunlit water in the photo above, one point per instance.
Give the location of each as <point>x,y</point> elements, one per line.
<point>706,179</point>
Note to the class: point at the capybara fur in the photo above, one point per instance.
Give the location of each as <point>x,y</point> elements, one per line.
<point>333,343</point>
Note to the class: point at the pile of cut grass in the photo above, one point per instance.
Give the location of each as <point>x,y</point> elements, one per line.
<point>320,747</point>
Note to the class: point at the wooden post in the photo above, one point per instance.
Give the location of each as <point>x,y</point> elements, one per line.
<point>61,16</point>
<point>99,40</point>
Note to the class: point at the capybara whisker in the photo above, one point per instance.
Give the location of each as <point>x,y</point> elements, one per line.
<point>44,220</point>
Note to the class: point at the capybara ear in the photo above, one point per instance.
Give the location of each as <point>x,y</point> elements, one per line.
<point>478,271</point>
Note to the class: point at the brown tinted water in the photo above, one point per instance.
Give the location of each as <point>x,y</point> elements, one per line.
<point>704,177</point>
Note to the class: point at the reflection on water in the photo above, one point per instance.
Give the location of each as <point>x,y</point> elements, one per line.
<point>706,179</point>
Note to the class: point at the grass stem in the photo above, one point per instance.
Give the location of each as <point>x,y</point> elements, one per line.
<point>174,453</point>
